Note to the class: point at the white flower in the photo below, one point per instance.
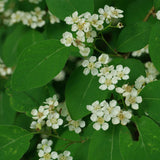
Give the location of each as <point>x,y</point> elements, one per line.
<point>107,82</point>
<point>47,156</point>
<point>60,76</point>
<point>133,99</point>
<point>158,15</point>
<point>45,145</point>
<point>84,51</point>
<point>140,82</point>
<point>125,90</point>
<point>103,58</point>
<point>67,39</point>
<point>140,52</point>
<point>96,108</point>
<point>111,109</point>
<point>105,13</point>
<point>90,35</point>
<point>54,121</point>
<point>39,114</point>
<point>53,19</point>
<point>65,156</point>
<point>122,73</point>
<point>52,103</point>
<point>105,70</point>
<point>122,117</point>
<point>37,125</point>
<point>75,125</point>
<point>120,25</point>
<point>62,109</point>
<point>4,70</point>
<point>99,122</point>
<point>73,19</point>
<point>116,13</point>
<point>91,66</point>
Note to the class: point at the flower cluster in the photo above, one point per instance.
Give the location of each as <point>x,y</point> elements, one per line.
<point>33,19</point>
<point>47,114</point>
<point>4,70</point>
<point>45,152</point>
<point>103,112</point>
<point>140,52</point>
<point>108,74</point>
<point>86,26</point>
<point>51,113</point>
<point>2,5</point>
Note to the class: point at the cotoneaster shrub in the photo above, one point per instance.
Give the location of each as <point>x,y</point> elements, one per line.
<point>79,80</point>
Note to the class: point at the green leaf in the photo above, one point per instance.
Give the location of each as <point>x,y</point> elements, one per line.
<point>133,37</point>
<point>39,64</point>
<point>25,101</point>
<point>133,15</point>
<point>64,8</point>
<point>14,142</point>
<point>10,46</point>
<point>137,68</point>
<point>154,42</point>
<point>105,145</point>
<point>147,147</point>
<point>80,91</point>
<point>156,4</point>
<point>29,38</point>
<point>7,114</point>
<point>151,100</point>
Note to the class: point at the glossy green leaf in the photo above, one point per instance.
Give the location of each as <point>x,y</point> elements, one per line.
<point>133,37</point>
<point>39,64</point>
<point>136,67</point>
<point>105,145</point>
<point>151,100</point>
<point>80,91</point>
<point>14,142</point>
<point>7,114</point>
<point>64,8</point>
<point>147,147</point>
<point>29,38</point>
<point>142,9</point>
<point>10,47</point>
<point>154,42</point>
<point>25,101</point>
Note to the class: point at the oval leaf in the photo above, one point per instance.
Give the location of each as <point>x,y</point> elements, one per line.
<point>151,100</point>
<point>39,64</point>
<point>80,91</point>
<point>154,42</point>
<point>14,142</point>
<point>147,147</point>
<point>64,8</point>
<point>133,37</point>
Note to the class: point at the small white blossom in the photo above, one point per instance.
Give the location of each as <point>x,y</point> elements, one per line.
<point>65,156</point>
<point>122,73</point>
<point>37,125</point>
<point>133,99</point>
<point>140,52</point>
<point>106,70</point>
<point>140,82</point>
<point>84,51</point>
<point>67,39</point>
<point>158,15</point>
<point>73,19</point>
<point>103,58</point>
<point>53,19</point>
<point>122,117</point>
<point>54,121</point>
<point>107,82</point>
<point>99,122</point>
<point>39,114</point>
<point>75,125</point>
<point>125,90</point>
<point>60,76</point>
<point>91,66</point>
<point>62,109</point>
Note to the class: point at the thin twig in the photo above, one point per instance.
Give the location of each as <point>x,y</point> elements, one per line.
<point>151,11</point>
